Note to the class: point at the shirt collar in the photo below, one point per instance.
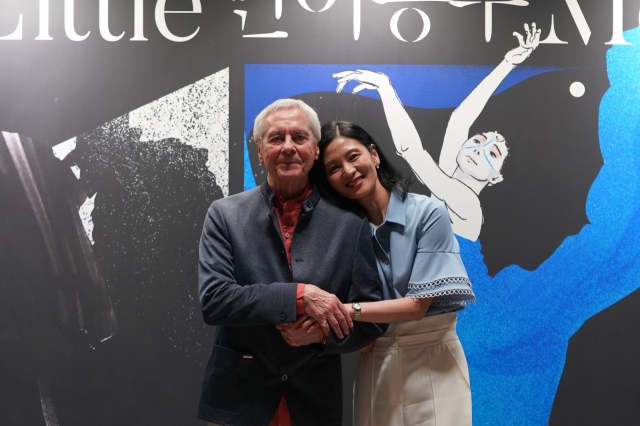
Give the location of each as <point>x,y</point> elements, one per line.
<point>307,205</point>
<point>279,199</point>
<point>396,210</point>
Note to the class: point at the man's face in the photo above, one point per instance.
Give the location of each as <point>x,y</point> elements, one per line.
<point>288,147</point>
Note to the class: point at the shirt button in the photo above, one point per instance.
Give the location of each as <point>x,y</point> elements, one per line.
<point>286,235</point>
<point>283,317</point>
<point>386,262</point>
<point>284,377</point>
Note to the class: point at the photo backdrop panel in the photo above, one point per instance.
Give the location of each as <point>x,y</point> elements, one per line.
<point>99,319</point>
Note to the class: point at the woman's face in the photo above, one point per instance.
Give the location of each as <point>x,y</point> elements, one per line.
<point>351,168</point>
<point>482,158</point>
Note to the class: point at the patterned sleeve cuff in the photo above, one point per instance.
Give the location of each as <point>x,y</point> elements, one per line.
<point>450,291</point>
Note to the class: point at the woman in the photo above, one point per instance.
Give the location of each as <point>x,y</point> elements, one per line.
<point>468,163</point>
<point>416,373</point>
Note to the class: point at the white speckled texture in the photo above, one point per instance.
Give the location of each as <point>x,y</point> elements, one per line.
<point>197,115</point>
<point>63,149</point>
<point>85,215</point>
<point>76,171</point>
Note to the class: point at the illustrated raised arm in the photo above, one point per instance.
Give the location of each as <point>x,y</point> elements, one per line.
<point>466,164</point>
<point>466,114</point>
<point>461,201</point>
<point>405,136</point>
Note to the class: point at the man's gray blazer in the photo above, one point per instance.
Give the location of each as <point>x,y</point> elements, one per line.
<point>246,287</point>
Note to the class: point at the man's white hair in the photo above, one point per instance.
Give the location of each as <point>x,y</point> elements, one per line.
<point>260,124</point>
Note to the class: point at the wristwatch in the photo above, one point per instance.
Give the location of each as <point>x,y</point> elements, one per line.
<point>357,309</point>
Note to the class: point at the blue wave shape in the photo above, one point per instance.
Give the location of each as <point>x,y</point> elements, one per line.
<point>516,336</point>
<point>249,180</point>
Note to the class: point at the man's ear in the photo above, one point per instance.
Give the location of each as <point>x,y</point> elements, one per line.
<point>259,149</point>
<point>496,179</point>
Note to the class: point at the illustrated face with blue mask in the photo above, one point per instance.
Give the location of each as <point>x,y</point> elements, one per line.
<point>482,157</point>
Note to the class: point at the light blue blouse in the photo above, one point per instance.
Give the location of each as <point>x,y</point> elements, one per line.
<point>418,255</point>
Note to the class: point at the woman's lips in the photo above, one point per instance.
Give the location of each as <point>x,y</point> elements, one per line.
<point>356,182</point>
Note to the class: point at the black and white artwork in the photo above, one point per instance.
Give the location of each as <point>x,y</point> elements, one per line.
<point>101,234</point>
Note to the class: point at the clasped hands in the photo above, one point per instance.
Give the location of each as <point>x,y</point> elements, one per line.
<point>323,311</point>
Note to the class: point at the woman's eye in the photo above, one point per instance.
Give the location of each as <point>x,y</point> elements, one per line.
<point>493,154</point>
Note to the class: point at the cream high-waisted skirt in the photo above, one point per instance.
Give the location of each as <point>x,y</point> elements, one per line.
<point>416,375</point>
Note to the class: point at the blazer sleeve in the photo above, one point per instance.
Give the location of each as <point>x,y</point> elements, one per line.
<point>365,286</point>
<point>226,302</point>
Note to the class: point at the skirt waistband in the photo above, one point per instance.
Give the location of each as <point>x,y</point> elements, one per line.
<point>431,330</point>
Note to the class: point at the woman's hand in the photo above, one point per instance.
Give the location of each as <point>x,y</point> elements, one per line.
<point>368,80</point>
<point>304,331</point>
<point>528,44</point>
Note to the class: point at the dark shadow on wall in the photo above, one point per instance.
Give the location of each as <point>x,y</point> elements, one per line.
<point>150,205</point>
<point>151,198</point>
<point>599,384</point>
<point>54,304</point>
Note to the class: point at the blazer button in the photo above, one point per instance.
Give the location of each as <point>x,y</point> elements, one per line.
<point>282,317</point>
<point>284,377</point>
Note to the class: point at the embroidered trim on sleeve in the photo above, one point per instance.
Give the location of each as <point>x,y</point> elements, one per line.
<point>455,291</point>
<point>439,283</point>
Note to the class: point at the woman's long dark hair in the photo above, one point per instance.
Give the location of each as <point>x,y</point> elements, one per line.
<point>389,177</point>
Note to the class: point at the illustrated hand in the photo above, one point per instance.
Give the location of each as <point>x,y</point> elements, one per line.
<point>368,80</point>
<point>528,44</point>
<point>326,309</point>
<point>304,331</point>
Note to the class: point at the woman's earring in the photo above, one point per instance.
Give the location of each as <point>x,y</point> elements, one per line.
<point>377,167</point>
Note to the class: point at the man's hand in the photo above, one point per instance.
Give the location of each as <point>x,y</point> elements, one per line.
<point>304,331</point>
<point>327,310</point>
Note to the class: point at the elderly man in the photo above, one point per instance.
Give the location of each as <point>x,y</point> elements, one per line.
<point>279,254</point>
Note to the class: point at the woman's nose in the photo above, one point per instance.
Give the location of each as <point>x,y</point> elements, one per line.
<point>348,169</point>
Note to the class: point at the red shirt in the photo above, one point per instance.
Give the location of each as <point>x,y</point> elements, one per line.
<point>288,213</point>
